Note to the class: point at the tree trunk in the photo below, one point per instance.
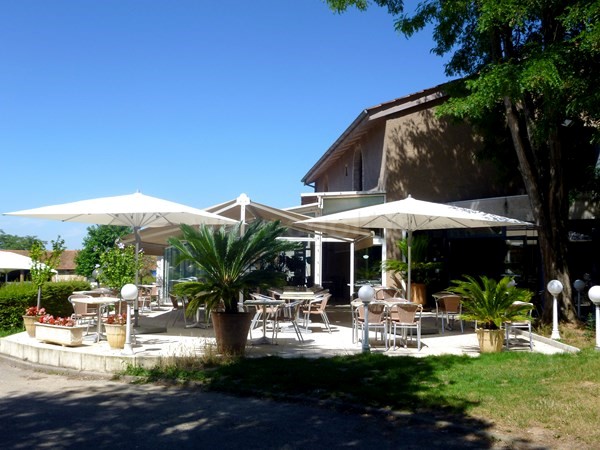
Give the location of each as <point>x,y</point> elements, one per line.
<point>548,198</point>
<point>39,297</point>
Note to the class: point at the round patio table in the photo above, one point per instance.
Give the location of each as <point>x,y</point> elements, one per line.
<point>99,301</point>
<point>264,303</point>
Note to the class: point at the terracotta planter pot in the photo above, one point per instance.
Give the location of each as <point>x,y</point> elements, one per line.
<point>54,334</point>
<point>490,341</point>
<point>418,292</point>
<point>115,335</point>
<point>29,322</point>
<point>231,332</point>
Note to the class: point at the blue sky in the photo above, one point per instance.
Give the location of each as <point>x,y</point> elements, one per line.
<point>191,101</point>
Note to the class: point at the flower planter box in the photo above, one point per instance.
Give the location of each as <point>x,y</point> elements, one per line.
<point>54,334</point>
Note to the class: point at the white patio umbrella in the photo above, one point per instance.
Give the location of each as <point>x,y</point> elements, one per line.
<point>245,210</point>
<point>412,215</point>
<point>134,210</point>
<point>10,261</point>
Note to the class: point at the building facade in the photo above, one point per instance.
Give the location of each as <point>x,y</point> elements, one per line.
<point>402,148</point>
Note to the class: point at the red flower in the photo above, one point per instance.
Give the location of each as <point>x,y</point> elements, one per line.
<point>59,321</point>
<point>117,319</point>
<point>34,311</point>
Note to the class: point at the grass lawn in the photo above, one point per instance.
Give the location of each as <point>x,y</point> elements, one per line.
<point>552,399</point>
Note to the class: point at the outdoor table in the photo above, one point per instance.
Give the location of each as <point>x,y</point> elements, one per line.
<point>297,295</point>
<point>264,303</point>
<point>305,296</point>
<point>100,292</point>
<point>437,296</point>
<point>99,302</point>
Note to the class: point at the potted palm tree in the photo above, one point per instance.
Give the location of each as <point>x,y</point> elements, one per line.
<point>423,272</point>
<point>231,263</point>
<point>492,304</point>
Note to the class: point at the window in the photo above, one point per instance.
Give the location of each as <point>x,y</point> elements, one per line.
<point>357,181</point>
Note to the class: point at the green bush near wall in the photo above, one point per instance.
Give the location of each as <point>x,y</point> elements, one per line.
<point>15,298</point>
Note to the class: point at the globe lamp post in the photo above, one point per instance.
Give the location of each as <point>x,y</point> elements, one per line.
<point>555,287</point>
<point>129,293</point>
<point>366,294</point>
<point>594,295</point>
<point>96,275</point>
<point>579,285</point>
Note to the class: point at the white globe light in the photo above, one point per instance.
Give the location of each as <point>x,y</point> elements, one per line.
<point>366,293</point>
<point>129,292</point>
<point>579,285</point>
<point>555,287</point>
<point>594,295</point>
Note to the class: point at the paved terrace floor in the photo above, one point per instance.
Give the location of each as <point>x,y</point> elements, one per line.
<point>162,334</point>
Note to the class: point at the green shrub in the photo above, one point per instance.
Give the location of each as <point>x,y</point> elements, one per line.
<point>16,297</point>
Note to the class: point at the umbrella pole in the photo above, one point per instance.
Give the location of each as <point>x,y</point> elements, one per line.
<point>136,312</point>
<point>408,289</point>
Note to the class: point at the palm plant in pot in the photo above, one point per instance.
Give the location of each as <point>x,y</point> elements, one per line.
<point>423,272</point>
<point>231,263</point>
<point>492,304</point>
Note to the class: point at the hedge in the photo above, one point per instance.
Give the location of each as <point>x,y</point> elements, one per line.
<point>15,298</point>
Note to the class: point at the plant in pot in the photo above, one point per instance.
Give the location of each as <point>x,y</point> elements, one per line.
<point>232,263</point>
<point>492,304</point>
<point>423,272</point>
<point>115,327</point>
<point>32,315</point>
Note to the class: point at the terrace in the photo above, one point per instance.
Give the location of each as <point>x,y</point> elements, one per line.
<point>163,334</point>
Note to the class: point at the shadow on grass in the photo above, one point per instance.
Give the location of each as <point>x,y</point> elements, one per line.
<point>409,391</point>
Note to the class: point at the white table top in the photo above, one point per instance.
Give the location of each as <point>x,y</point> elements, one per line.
<point>298,295</point>
<point>96,300</point>
<point>266,302</point>
<point>95,292</point>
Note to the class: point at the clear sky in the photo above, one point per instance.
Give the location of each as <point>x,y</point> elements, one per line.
<point>193,101</point>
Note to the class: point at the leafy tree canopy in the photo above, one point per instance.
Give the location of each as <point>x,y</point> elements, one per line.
<point>100,238</point>
<point>119,266</point>
<point>44,263</point>
<point>537,62</point>
<point>14,242</point>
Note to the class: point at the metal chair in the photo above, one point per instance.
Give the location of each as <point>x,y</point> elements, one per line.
<point>522,325</point>
<point>82,313</point>
<point>376,320</point>
<point>404,317</point>
<point>288,312</point>
<point>267,314</point>
<point>316,306</point>
<point>450,308</point>
<point>384,293</point>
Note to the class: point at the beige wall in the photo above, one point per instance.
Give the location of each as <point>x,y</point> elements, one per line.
<point>341,176</point>
<point>414,152</point>
<point>434,160</point>
<point>419,154</point>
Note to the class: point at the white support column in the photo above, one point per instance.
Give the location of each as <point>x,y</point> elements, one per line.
<point>351,271</point>
<point>317,260</point>
<point>384,258</point>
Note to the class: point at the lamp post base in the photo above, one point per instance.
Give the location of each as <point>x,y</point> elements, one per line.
<point>597,328</point>
<point>365,340</point>
<point>127,348</point>
<point>555,333</point>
